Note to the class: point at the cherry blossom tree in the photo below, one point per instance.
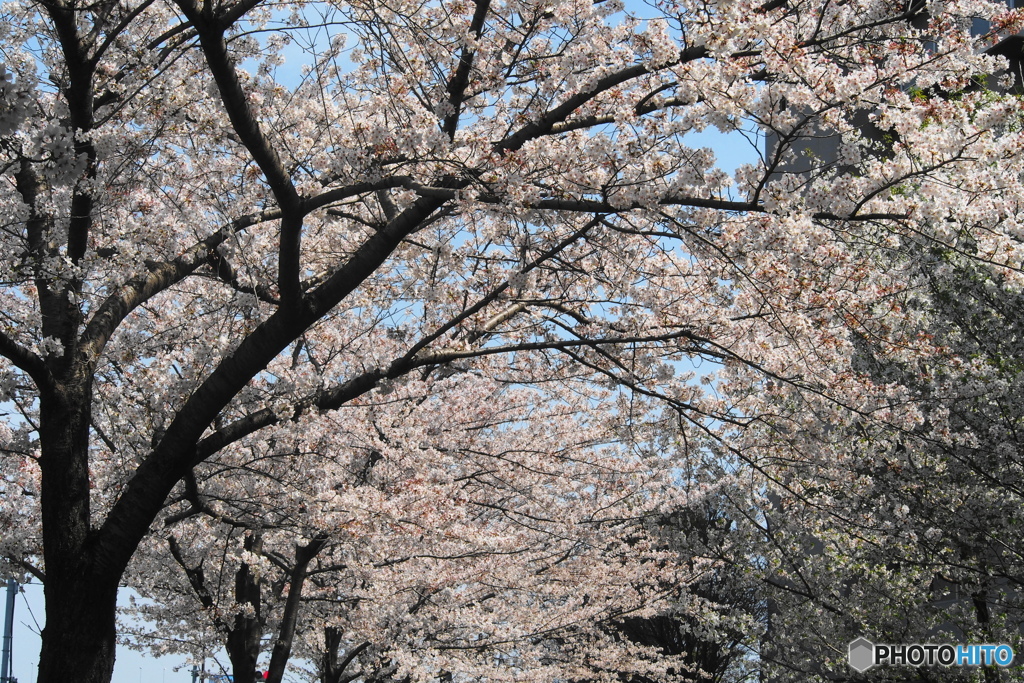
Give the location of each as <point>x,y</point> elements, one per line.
<point>896,519</point>
<point>209,273</point>
<point>394,543</point>
<point>910,535</point>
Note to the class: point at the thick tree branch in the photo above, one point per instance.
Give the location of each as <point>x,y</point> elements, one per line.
<point>247,127</point>
<point>158,278</point>
<point>460,79</point>
<point>79,94</point>
<point>286,630</point>
<point>337,194</point>
<point>560,113</point>
<point>197,580</point>
<point>112,33</point>
<point>337,396</point>
<point>24,359</point>
<point>176,451</point>
<point>582,205</point>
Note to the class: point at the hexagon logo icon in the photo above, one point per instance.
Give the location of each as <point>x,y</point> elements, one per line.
<point>862,654</point>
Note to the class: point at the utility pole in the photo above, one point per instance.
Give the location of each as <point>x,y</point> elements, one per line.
<point>7,656</point>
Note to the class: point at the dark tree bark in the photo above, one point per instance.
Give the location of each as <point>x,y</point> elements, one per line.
<point>286,633</point>
<point>333,667</point>
<point>80,594</point>
<point>245,634</point>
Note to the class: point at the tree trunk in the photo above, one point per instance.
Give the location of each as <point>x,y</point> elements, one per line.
<point>81,597</point>
<point>80,636</point>
<point>243,641</point>
<point>333,669</point>
<point>286,631</point>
